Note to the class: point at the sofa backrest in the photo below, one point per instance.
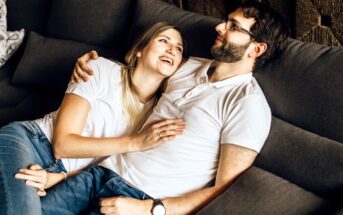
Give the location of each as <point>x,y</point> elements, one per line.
<point>29,14</point>
<point>95,22</point>
<point>198,30</point>
<point>304,89</point>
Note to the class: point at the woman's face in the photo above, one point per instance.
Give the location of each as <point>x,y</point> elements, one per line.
<point>163,54</point>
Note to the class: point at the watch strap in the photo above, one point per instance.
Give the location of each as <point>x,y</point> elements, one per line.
<point>155,203</point>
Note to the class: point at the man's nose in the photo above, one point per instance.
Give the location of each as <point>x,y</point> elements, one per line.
<point>220,28</point>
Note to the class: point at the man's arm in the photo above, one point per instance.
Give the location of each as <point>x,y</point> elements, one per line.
<point>234,160</point>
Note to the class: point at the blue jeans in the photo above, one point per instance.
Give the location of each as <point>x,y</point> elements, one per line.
<point>21,145</point>
<point>80,194</point>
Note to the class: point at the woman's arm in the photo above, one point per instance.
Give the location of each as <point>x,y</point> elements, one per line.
<point>68,142</point>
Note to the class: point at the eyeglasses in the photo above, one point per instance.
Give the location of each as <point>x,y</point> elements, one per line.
<point>230,25</point>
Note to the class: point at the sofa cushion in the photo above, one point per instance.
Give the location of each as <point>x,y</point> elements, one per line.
<point>97,22</point>
<point>304,86</point>
<point>48,62</point>
<point>259,192</point>
<point>304,158</point>
<point>197,29</point>
<point>29,14</point>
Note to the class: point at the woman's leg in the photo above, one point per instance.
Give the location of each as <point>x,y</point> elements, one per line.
<point>21,144</point>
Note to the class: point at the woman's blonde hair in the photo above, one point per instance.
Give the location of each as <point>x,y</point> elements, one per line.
<point>133,108</point>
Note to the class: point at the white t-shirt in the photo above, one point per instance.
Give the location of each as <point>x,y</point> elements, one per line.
<point>106,116</point>
<point>232,111</point>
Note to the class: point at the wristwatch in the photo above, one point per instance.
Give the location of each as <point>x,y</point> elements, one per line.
<point>158,207</point>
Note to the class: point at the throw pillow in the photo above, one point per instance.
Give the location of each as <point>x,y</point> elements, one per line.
<point>9,40</point>
<point>47,62</point>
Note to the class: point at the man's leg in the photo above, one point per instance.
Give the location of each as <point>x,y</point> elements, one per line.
<point>74,195</point>
<point>21,144</point>
<point>80,194</point>
<point>114,186</point>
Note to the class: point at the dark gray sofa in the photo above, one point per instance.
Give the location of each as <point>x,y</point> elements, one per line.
<point>300,168</point>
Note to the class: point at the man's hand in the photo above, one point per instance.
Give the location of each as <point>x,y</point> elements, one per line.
<point>125,205</point>
<point>81,69</point>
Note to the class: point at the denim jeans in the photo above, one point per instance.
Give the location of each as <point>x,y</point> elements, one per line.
<point>21,145</point>
<point>80,194</point>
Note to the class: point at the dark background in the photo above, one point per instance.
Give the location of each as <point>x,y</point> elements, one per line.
<point>318,21</point>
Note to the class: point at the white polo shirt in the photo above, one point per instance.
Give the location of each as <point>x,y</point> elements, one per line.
<point>232,111</point>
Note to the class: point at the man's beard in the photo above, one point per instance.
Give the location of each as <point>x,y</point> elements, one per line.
<point>229,52</point>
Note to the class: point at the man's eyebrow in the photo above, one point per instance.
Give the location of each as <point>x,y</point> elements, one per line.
<point>234,20</point>
<point>180,44</point>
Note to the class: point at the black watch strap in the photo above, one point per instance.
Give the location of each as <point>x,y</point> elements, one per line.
<point>155,203</point>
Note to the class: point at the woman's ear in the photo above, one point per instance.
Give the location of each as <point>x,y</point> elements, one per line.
<point>139,54</point>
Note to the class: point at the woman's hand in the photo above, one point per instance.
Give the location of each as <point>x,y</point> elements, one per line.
<point>81,69</point>
<point>39,178</point>
<point>157,133</point>
<point>36,177</point>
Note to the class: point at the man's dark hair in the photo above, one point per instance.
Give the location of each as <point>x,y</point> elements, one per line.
<point>269,28</point>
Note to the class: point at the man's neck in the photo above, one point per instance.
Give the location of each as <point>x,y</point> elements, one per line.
<point>224,70</point>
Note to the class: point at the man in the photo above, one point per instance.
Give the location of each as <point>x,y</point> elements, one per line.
<point>228,120</point>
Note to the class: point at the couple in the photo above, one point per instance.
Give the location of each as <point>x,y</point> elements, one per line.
<point>227,118</point>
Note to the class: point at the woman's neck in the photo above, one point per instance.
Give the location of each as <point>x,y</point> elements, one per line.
<point>145,84</point>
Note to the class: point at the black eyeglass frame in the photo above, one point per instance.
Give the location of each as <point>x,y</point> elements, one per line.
<point>230,25</point>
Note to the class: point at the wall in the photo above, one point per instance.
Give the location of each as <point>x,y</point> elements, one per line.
<point>318,21</point>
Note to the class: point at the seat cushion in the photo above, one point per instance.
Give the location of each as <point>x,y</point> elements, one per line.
<point>48,63</point>
<point>259,192</point>
<point>198,30</point>
<point>312,162</point>
<point>96,22</point>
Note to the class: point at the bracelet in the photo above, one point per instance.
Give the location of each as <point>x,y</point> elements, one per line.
<point>65,175</point>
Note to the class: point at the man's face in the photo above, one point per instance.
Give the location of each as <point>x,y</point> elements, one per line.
<point>233,38</point>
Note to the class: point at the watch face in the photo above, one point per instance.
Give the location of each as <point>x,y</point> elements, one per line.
<point>159,210</point>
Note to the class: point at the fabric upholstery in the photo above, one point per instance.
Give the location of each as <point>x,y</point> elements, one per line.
<point>9,40</point>
<point>198,30</point>
<point>304,87</point>
<point>259,192</point>
<point>21,103</point>
<point>97,22</point>
<point>29,14</point>
<point>48,62</point>
<point>304,158</point>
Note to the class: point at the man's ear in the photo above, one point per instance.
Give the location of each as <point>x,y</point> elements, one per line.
<point>258,50</point>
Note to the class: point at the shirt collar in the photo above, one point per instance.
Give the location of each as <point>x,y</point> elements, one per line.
<point>202,77</point>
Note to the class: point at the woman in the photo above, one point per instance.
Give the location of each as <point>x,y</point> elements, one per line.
<point>96,119</point>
